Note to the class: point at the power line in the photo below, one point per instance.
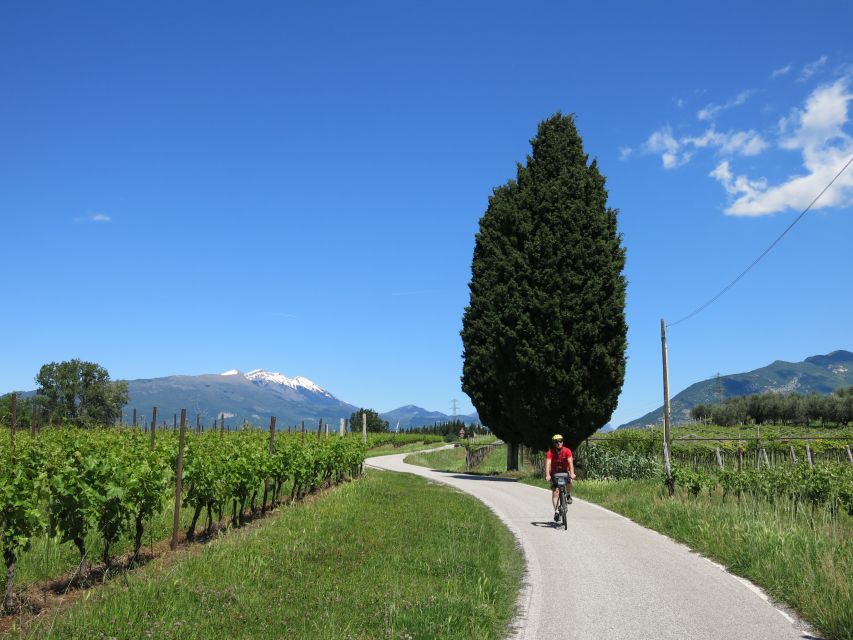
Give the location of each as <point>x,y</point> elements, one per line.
<point>766,251</point>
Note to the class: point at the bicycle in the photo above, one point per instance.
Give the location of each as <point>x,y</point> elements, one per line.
<point>562,480</point>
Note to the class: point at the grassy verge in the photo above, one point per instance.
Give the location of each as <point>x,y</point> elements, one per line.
<point>385,449</point>
<point>391,556</point>
<point>494,463</point>
<point>47,558</point>
<point>804,561</point>
<point>445,460</point>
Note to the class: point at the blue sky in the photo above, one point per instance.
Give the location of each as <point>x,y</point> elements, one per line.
<point>194,188</point>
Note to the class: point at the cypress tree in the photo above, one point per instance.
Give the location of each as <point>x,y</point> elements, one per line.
<point>544,335</point>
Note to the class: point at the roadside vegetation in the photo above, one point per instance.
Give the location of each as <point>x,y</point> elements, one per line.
<point>390,556</point>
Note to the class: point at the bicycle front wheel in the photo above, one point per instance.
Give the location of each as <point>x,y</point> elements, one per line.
<point>564,509</point>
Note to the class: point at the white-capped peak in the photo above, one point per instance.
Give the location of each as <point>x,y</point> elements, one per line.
<point>273,377</point>
<point>230,372</point>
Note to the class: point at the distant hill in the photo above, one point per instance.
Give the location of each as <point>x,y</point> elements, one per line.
<point>413,416</point>
<point>255,396</point>
<point>817,374</point>
<point>252,396</point>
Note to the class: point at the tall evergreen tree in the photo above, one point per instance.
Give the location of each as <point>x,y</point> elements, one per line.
<point>544,334</point>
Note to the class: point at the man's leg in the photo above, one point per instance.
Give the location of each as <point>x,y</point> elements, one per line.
<point>569,491</point>
<point>555,496</point>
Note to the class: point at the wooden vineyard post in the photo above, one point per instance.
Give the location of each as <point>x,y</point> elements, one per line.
<point>179,472</point>
<point>719,458</point>
<point>33,421</point>
<point>270,450</point>
<point>198,423</point>
<point>134,417</point>
<point>849,454</point>
<point>174,423</point>
<point>222,424</point>
<point>739,459</point>
<point>766,459</point>
<point>793,453</point>
<point>809,455</point>
<point>303,431</point>
<point>14,423</point>
<point>153,426</point>
<point>342,427</point>
<point>364,427</point>
<point>670,483</point>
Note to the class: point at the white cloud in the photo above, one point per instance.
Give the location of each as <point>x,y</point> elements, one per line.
<point>663,142</point>
<point>745,143</point>
<point>825,146</point>
<point>782,71</point>
<point>680,102</point>
<point>710,111</point>
<point>94,217</point>
<point>812,68</point>
<point>736,184</point>
<point>676,152</point>
<point>625,152</point>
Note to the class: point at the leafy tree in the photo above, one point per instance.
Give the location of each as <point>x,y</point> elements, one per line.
<point>375,424</point>
<point>81,392</point>
<point>544,334</point>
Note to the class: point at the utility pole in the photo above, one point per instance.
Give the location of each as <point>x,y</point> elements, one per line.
<point>666,436</point>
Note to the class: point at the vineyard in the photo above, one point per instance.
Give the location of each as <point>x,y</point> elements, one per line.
<point>778,466</point>
<point>794,488</point>
<point>88,488</point>
<point>706,446</point>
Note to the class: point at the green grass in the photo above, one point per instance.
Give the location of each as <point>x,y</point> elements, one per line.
<point>47,558</point>
<point>390,556</point>
<point>444,460</point>
<point>803,562</point>
<point>454,460</point>
<point>386,449</point>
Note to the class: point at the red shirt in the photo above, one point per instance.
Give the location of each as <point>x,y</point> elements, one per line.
<point>559,459</point>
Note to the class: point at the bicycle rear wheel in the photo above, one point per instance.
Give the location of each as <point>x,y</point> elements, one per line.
<point>564,509</point>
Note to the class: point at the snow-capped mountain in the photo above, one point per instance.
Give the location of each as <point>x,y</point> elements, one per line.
<point>271,379</point>
<point>252,396</point>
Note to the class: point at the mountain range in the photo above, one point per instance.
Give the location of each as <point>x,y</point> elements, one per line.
<point>818,374</point>
<point>255,396</point>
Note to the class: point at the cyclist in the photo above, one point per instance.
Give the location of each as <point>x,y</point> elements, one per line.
<point>559,460</point>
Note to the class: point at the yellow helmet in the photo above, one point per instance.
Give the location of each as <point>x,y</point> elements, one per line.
<point>556,437</point>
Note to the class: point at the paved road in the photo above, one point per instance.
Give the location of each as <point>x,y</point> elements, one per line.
<point>607,578</point>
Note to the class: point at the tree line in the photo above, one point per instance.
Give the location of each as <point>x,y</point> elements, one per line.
<point>776,408</point>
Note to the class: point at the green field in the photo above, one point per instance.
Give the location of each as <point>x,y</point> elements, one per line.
<point>390,556</point>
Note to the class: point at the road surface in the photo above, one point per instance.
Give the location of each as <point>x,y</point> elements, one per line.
<point>607,578</point>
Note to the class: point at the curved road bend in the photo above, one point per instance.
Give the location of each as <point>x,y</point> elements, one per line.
<point>607,578</point>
